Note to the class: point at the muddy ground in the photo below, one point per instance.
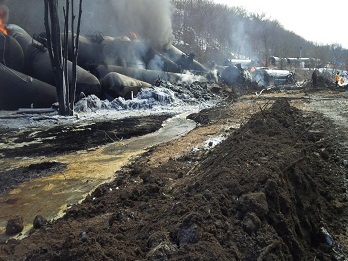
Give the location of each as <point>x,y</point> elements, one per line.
<point>67,138</point>
<point>275,189</point>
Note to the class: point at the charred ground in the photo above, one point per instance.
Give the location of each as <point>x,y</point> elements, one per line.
<point>48,141</point>
<point>273,190</point>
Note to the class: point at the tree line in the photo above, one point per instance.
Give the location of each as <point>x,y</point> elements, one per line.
<point>211,31</point>
<point>215,32</point>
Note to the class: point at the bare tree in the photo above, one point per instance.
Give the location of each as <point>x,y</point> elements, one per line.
<point>58,51</point>
<point>337,54</point>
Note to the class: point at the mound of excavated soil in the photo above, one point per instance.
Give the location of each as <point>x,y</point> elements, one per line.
<point>273,190</point>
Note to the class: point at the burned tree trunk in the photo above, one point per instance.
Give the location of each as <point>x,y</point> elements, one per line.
<point>59,60</point>
<point>75,50</point>
<point>55,50</point>
<point>65,55</point>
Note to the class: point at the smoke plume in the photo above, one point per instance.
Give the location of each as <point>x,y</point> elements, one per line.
<point>148,19</point>
<point>4,12</point>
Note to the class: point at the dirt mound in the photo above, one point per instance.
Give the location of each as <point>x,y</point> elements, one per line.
<point>272,177</point>
<point>273,190</point>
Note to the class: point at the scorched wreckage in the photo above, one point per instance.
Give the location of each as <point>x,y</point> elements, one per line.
<point>263,193</point>
<point>109,66</point>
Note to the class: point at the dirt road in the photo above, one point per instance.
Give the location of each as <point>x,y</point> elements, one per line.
<point>273,189</point>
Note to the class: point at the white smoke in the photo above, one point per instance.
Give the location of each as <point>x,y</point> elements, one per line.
<point>156,63</point>
<point>240,39</point>
<point>188,77</point>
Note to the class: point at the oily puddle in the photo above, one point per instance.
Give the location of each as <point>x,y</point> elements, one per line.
<point>49,196</point>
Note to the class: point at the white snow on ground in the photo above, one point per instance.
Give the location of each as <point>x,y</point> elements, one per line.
<point>150,101</point>
<point>212,142</point>
<point>209,143</point>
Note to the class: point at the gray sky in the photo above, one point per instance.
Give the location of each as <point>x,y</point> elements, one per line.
<point>319,22</point>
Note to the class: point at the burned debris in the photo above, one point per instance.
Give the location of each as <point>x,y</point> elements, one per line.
<point>107,67</point>
<point>265,77</point>
<point>111,66</point>
<point>252,190</point>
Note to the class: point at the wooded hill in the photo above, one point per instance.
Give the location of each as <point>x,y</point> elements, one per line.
<point>214,31</point>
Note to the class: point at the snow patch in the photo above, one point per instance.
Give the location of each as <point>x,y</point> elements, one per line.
<point>212,142</point>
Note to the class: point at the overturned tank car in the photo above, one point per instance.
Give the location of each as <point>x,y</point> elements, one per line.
<point>265,77</point>
<point>148,76</point>
<point>18,90</point>
<point>38,64</point>
<point>234,74</point>
<point>97,49</point>
<point>119,85</point>
<point>11,53</point>
<point>185,62</point>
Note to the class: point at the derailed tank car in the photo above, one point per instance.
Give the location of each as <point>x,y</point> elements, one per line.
<point>38,64</point>
<point>119,85</point>
<point>11,53</point>
<point>266,77</point>
<point>234,74</point>
<point>18,90</point>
